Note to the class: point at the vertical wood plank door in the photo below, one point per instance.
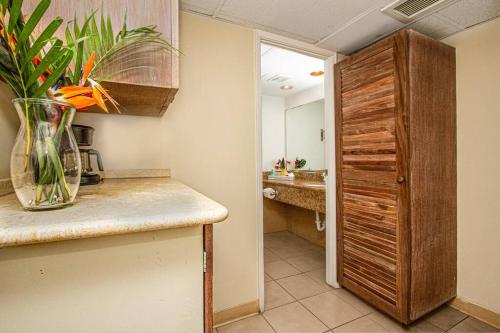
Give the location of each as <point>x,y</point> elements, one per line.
<point>396,174</point>
<point>369,185</point>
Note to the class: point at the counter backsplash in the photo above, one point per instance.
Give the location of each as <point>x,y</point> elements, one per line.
<point>6,184</point>
<point>6,187</point>
<point>316,175</point>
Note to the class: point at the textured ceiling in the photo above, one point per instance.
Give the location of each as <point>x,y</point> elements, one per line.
<point>340,25</point>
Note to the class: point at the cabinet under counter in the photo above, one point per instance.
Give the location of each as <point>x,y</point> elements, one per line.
<point>299,192</point>
<point>129,256</point>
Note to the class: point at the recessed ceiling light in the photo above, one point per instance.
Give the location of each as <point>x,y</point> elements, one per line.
<point>286,87</point>
<point>317,73</point>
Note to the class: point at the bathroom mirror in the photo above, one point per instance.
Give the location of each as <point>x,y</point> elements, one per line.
<point>304,127</point>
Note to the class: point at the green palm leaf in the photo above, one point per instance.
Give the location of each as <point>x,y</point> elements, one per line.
<point>111,39</point>
<point>80,47</point>
<point>110,75</point>
<point>14,11</point>
<point>11,80</point>
<point>69,36</point>
<point>41,41</point>
<point>88,33</point>
<point>76,29</point>
<point>56,73</point>
<point>4,4</point>
<point>123,32</point>
<point>95,37</point>
<point>6,60</point>
<point>124,48</point>
<point>33,20</point>
<point>49,58</point>
<point>104,33</point>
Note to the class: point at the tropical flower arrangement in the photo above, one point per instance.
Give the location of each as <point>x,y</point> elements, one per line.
<point>281,166</point>
<point>299,163</point>
<point>51,78</point>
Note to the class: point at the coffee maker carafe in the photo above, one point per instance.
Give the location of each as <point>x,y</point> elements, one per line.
<point>84,136</point>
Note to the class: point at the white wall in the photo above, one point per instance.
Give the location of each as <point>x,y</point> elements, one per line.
<point>478,136</point>
<point>303,134</point>
<point>273,130</point>
<point>305,96</point>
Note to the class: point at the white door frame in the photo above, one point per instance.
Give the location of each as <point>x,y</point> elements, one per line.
<point>330,58</point>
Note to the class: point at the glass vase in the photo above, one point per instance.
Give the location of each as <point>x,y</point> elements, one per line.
<point>45,163</point>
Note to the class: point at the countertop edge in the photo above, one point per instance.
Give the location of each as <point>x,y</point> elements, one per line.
<point>200,210</point>
<point>291,184</point>
<point>113,231</point>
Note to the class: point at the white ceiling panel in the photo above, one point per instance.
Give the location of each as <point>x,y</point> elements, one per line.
<point>467,13</point>
<point>206,7</point>
<point>341,25</point>
<point>365,30</point>
<point>283,67</point>
<point>435,27</point>
<point>311,19</point>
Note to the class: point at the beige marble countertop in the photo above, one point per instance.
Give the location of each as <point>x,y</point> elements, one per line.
<point>118,206</point>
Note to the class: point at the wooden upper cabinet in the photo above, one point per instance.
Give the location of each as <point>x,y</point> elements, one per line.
<point>145,91</point>
<point>396,174</point>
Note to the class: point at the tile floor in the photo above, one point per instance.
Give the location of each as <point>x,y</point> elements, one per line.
<point>297,300</point>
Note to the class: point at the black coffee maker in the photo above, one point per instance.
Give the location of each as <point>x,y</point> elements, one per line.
<point>84,135</point>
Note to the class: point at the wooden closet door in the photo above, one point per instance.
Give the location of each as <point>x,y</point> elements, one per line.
<point>369,192</point>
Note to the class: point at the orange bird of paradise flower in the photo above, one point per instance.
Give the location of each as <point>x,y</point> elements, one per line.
<point>82,96</point>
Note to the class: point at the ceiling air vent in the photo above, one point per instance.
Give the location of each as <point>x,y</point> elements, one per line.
<point>274,77</point>
<point>407,11</point>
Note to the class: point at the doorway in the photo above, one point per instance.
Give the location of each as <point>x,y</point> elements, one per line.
<point>295,124</point>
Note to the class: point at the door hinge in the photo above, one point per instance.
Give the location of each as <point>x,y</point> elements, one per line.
<point>204,262</point>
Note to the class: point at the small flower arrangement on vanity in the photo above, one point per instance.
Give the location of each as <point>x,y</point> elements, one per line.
<point>280,171</point>
<point>51,79</point>
<point>299,163</point>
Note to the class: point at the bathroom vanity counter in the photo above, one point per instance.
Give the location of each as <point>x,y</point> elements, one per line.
<point>298,183</point>
<point>299,192</point>
<point>117,206</point>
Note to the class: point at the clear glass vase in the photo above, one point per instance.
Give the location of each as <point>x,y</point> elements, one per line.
<point>45,163</point>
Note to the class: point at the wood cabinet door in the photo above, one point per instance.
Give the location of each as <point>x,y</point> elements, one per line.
<point>371,191</point>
